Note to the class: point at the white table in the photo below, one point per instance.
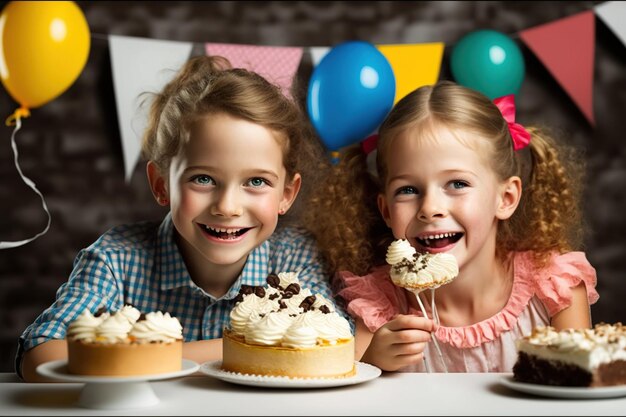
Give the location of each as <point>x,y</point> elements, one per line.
<point>390,394</point>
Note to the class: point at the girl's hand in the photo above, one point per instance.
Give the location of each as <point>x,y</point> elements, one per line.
<point>399,343</point>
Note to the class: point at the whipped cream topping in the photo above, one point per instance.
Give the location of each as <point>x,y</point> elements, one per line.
<point>130,312</point>
<point>287,278</point>
<point>398,250</point>
<point>299,335</point>
<point>269,329</point>
<point>296,318</point>
<point>85,325</point>
<point>126,325</point>
<point>157,327</point>
<point>114,329</point>
<point>586,348</point>
<point>419,271</point>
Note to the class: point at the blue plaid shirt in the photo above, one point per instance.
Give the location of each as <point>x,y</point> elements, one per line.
<point>140,264</point>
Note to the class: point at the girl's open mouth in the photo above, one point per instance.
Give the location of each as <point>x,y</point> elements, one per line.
<point>439,240</point>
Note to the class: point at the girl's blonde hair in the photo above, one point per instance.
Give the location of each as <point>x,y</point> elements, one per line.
<point>547,219</point>
<point>209,85</point>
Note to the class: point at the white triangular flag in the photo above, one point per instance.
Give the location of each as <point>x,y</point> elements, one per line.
<point>613,13</point>
<point>140,65</point>
<point>317,53</point>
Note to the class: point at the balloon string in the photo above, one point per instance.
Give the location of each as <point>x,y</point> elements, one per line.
<point>14,119</point>
<point>18,124</point>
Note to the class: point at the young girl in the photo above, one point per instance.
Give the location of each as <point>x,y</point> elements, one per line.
<point>453,173</point>
<point>226,153</point>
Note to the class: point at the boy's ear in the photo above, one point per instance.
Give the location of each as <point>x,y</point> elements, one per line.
<point>510,195</point>
<point>384,209</point>
<point>158,184</point>
<point>290,193</point>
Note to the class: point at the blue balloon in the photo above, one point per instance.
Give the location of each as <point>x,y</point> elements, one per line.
<point>488,61</point>
<point>350,92</point>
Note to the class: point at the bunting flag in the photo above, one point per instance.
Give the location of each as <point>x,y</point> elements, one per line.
<point>566,48</point>
<point>277,64</point>
<point>317,53</point>
<point>140,65</point>
<point>413,65</point>
<point>613,13</point>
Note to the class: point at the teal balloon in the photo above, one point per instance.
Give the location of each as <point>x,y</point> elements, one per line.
<point>488,61</point>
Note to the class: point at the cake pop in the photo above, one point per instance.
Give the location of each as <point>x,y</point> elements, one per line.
<point>417,272</point>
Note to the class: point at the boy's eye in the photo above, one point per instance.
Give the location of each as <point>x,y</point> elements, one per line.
<point>203,180</point>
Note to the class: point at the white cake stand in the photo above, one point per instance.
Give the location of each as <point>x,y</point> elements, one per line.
<point>112,392</point>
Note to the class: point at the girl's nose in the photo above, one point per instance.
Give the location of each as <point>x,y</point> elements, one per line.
<point>228,204</point>
<point>431,207</point>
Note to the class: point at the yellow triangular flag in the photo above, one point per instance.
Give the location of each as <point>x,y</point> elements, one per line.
<point>414,65</point>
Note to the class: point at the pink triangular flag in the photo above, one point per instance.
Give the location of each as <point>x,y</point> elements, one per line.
<point>278,64</point>
<point>566,48</point>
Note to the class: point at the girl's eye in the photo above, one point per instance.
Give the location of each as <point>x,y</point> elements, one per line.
<point>458,184</point>
<point>203,180</point>
<point>257,182</point>
<point>406,190</point>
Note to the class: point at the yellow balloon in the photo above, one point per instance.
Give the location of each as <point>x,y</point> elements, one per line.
<point>44,46</point>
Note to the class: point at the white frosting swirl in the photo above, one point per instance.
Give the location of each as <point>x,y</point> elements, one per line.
<point>130,312</point>
<point>269,330</point>
<point>299,335</point>
<point>398,250</point>
<point>287,278</point>
<point>157,327</point>
<point>114,329</point>
<point>320,301</point>
<point>239,316</point>
<point>85,325</point>
<point>329,327</point>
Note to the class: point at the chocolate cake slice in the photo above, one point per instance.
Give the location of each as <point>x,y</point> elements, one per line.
<point>573,357</point>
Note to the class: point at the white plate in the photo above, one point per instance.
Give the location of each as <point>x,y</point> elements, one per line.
<point>58,370</point>
<point>565,392</point>
<point>364,372</point>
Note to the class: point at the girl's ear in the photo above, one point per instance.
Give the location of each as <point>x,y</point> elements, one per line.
<point>158,184</point>
<point>290,193</point>
<point>510,195</point>
<point>384,209</point>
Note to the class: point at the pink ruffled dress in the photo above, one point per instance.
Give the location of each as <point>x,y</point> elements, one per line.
<point>489,345</point>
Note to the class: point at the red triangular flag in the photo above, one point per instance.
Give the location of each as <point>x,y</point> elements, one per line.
<point>566,48</point>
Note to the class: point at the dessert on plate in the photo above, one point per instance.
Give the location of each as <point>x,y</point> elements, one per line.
<point>573,357</point>
<point>282,329</point>
<point>124,343</point>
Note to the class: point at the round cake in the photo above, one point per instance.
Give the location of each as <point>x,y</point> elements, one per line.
<point>419,271</point>
<point>124,343</point>
<point>284,330</point>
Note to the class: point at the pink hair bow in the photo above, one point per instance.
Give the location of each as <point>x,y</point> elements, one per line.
<point>369,144</point>
<point>521,137</point>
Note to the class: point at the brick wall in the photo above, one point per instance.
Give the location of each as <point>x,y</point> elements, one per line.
<point>70,147</point>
